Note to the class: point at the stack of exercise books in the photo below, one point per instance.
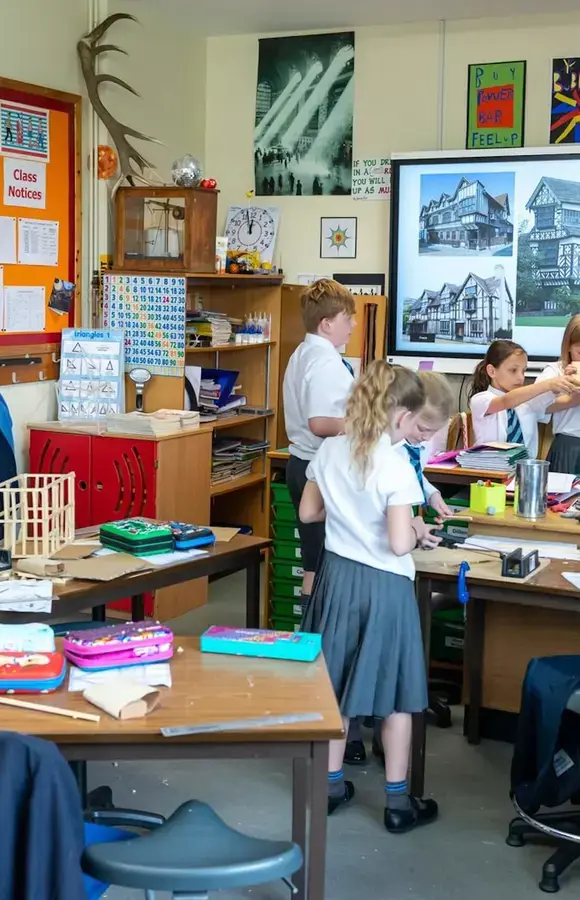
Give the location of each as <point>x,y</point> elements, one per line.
<point>494,456</point>
<point>218,397</point>
<point>205,328</point>
<point>164,421</point>
<point>234,457</point>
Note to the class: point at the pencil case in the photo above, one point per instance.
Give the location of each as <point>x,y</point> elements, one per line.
<point>33,638</point>
<point>31,673</point>
<point>294,645</point>
<point>117,646</point>
<point>187,537</point>
<point>137,536</point>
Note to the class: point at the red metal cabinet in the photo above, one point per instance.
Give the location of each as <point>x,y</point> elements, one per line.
<point>55,453</point>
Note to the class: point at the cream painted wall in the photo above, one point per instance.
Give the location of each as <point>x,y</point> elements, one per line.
<point>397,73</point>
<point>39,46</point>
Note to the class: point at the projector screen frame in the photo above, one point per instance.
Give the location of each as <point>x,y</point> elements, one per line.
<point>443,157</point>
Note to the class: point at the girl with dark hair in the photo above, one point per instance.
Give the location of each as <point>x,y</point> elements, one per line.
<point>502,407</point>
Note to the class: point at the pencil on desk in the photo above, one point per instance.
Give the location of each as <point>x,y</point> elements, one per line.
<point>53,710</point>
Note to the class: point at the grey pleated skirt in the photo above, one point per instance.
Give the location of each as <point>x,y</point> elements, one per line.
<point>564,454</point>
<point>371,637</point>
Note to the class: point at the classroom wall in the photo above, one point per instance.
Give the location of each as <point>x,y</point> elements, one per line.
<point>39,46</point>
<point>398,108</point>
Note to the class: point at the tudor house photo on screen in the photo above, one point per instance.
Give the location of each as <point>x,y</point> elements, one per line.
<point>477,311</point>
<point>467,216</point>
<point>548,273</point>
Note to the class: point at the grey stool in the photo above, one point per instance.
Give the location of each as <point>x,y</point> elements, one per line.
<point>193,853</point>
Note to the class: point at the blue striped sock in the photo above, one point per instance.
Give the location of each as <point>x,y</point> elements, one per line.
<point>397,794</point>
<point>336,783</point>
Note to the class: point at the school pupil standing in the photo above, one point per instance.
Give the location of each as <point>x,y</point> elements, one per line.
<point>316,386</point>
<point>502,407</point>
<point>363,603</point>
<point>564,454</point>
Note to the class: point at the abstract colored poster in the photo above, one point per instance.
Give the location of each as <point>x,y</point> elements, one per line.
<point>304,113</point>
<point>24,131</point>
<point>565,112</point>
<point>496,94</point>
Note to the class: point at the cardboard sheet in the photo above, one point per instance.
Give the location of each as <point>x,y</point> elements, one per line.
<point>104,568</point>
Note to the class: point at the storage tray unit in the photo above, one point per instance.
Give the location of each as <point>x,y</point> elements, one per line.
<point>286,569</point>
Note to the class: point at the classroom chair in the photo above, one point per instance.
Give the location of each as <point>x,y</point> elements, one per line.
<point>460,427</point>
<point>192,853</point>
<point>562,827</point>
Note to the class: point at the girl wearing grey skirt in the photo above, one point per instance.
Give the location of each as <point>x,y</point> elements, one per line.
<point>363,603</point>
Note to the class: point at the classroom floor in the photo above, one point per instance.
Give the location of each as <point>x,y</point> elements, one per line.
<point>463,854</point>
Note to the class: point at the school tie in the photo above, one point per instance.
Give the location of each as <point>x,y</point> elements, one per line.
<point>415,459</point>
<point>514,429</point>
<point>347,365</point>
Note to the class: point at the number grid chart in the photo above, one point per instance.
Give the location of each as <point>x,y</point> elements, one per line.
<point>92,383</point>
<point>151,311</point>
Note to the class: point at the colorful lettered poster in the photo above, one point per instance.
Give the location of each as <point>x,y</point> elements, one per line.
<point>565,112</point>
<point>496,94</point>
<point>151,310</point>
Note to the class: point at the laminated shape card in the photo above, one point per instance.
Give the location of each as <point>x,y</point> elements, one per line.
<point>92,380</point>
<point>151,310</point>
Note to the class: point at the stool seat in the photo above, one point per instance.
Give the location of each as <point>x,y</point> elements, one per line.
<point>193,851</point>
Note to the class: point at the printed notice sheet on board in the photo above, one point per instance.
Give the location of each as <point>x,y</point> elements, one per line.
<point>92,380</point>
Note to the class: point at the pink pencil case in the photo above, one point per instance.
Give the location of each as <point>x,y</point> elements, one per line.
<point>116,646</point>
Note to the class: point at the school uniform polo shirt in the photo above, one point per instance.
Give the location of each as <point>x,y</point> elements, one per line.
<point>495,426</point>
<point>567,421</point>
<point>316,384</point>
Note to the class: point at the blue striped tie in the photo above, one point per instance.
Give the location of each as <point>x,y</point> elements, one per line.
<point>347,365</point>
<point>514,429</point>
<point>415,459</point>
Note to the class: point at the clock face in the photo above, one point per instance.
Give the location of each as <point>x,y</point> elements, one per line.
<point>251,228</point>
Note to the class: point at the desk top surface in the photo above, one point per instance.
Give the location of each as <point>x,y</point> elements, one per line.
<point>547,581</point>
<point>207,688</point>
<point>221,554</point>
<point>569,528</point>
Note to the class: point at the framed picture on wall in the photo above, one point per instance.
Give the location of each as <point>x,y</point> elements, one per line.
<point>369,285</point>
<point>565,111</point>
<point>338,237</point>
<point>496,99</point>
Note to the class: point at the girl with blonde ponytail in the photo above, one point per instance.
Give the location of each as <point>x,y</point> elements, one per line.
<point>363,603</point>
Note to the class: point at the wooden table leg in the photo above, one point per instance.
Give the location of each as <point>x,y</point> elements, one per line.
<point>253,591</point>
<point>318,791</point>
<point>300,775</point>
<point>475,637</point>
<point>138,608</point>
<point>424,592</point>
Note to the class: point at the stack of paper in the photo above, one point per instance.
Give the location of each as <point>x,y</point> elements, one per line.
<point>163,421</point>
<point>493,457</point>
<point>234,457</point>
<point>209,329</point>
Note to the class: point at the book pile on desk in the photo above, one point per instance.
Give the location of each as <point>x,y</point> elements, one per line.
<point>218,397</point>
<point>163,421</point>
<point>205,328</point>
<point>493,457</point>
<point>233,457</point>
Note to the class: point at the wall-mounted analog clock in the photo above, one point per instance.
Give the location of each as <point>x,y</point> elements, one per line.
<point>253,228</point>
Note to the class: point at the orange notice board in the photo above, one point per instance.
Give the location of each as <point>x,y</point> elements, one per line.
<point>40,214</point>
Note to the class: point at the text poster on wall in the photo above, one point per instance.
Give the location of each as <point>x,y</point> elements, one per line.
<point>496,96</point>
<point>371,178</point>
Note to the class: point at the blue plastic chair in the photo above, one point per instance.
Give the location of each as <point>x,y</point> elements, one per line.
<point>192,853</point>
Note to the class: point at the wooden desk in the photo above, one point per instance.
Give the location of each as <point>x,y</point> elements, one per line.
<point>242,552</point>
<point>210,688</point>
<point>507,625</point>
<point>461,477</point>
<point>551,528</point>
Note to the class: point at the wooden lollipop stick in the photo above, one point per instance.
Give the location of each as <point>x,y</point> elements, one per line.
<point>53,710</point>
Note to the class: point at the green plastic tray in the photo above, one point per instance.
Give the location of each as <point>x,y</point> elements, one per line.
<point>289,609</point>
<point>280,492</point>
<point>286,590</point>
<point>284,531</point>
<point>285,624</point>
<point>284,512</point>
<point>290,551</point>
<point>287,571</point>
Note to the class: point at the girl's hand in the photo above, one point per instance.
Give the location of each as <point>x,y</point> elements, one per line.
<point>437,503</point>
<point>426,540</point>
<point>564,384</point>
<point>570,369</point>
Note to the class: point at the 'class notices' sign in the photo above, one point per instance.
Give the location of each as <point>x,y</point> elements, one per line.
<point>371,179</point>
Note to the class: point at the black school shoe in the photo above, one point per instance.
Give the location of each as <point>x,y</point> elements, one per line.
<point>422,812</point>
<point>335,802</point>
<point>355,753</point>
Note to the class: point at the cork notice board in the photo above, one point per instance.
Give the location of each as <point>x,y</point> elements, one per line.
<point>40,219</point>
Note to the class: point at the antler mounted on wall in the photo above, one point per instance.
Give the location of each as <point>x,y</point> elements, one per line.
<point>88,49</point>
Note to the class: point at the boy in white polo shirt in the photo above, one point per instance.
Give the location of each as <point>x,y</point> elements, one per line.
<point>316,386</point>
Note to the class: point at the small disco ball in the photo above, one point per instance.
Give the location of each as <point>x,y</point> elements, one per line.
<point>186,171</point>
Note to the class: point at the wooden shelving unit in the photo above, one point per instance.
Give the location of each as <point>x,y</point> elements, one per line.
<point>228,348</point>
<point>238,484</point>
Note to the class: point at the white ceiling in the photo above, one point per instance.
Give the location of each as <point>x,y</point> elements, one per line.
<point>222,17</point>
